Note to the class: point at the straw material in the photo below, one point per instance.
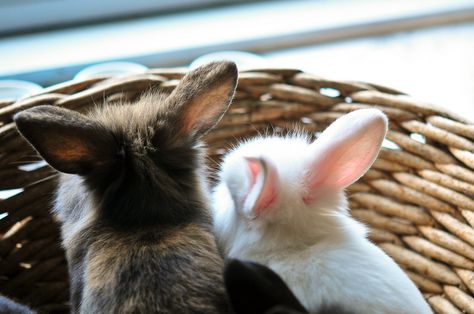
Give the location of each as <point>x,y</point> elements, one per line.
<point>417,199</point>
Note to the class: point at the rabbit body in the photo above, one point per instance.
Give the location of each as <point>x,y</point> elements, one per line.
<point>280,202</point>
<point>170,269</point>
<point>132,198</point>
<point>125,265</point>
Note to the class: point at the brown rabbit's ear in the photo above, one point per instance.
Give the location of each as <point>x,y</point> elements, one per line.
<point>202,97</point>
<point>67,140</point>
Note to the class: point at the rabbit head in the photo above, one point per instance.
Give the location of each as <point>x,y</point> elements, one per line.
<point>133,155</point>
<point>278,191</point>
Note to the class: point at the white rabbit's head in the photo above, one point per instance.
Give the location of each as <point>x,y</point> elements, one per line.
<point>278,191</point>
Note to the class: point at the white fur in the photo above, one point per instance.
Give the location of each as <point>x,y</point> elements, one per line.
<point>318,249</point>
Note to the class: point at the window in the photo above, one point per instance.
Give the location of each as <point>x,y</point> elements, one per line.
<point>30,15</point>
<point>175,39</point>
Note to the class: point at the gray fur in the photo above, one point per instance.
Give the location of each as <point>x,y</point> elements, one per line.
<point>8,306</point>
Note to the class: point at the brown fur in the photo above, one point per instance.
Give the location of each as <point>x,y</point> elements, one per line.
<point>135,219</point>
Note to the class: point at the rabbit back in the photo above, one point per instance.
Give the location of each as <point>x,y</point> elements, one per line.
<point>355,274</point>
<point>176,270</point>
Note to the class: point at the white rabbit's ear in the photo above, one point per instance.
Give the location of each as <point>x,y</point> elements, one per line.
<point>345,151</point>
<point>263,185</point>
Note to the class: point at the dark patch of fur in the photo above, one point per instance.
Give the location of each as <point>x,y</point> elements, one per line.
<point>334,309</point>
<point>256,289</point>
<point>164,177</point>
<point>8,306</point>
<point>136,224</point>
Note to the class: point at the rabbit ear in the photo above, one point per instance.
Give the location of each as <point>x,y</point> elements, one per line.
<point>263,186</point>
<point>202,97</point>
<point>66,139</point>
<point>345,151</point>
<point>254,288</point>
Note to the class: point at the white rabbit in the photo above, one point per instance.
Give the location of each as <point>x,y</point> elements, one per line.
<point>280,202</point>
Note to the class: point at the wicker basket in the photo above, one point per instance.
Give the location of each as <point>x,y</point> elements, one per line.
<point>418,198</point>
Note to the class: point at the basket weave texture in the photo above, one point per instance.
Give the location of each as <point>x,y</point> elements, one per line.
<point>418,198</point>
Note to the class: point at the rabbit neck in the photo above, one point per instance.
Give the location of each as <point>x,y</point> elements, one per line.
<point>294,229</point>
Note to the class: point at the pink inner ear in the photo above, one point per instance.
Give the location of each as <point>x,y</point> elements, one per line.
<point>255,169</point>
<point>199,115</point>
<point>263,189</point>
<point>342,165</point>
<point>345,151</point>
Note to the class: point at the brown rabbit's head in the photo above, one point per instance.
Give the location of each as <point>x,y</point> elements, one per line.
<point>126,161</point>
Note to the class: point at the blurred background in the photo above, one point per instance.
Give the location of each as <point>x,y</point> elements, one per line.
<point>424,48</point>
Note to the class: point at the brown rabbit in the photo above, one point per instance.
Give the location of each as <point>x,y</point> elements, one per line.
<point>132,199</point>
